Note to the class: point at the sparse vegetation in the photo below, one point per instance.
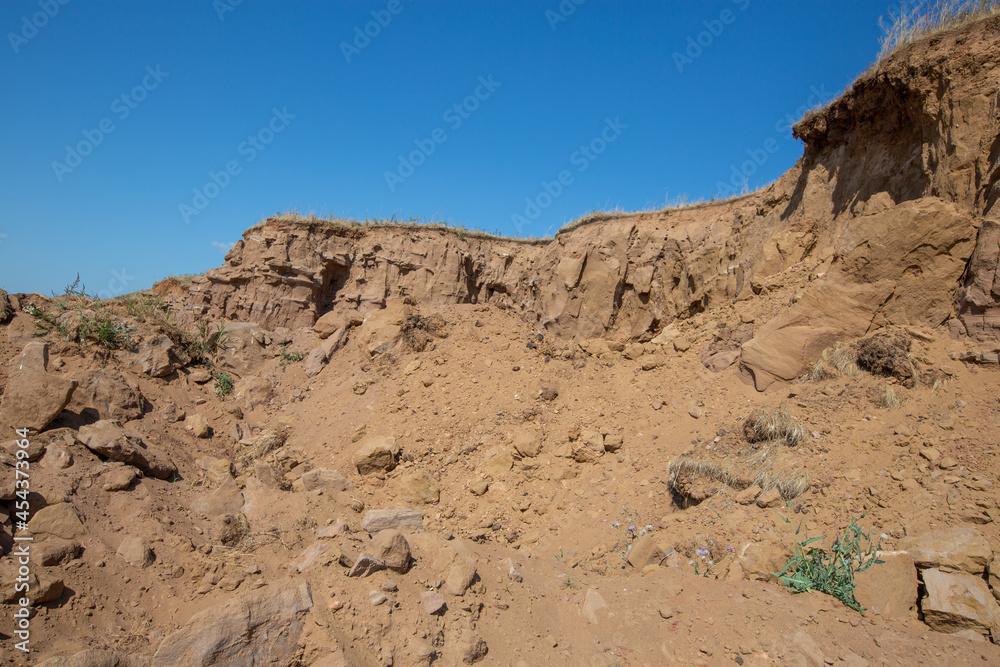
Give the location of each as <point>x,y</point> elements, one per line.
<point>835,362</point>
<point>889,355</point>
<point>815,569</point>
<point>764,466</point>
<point>289,357</point>
<point>887,397</point>
<point>912,23</point>
<point>223,385</point>
<point>774,425</point>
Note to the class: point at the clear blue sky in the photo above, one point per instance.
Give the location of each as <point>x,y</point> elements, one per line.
<point>115,113</point>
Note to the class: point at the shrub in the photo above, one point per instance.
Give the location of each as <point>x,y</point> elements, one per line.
<point>888,354</point>
<point>105,330</point>
<point>289,357</point>
<point>814,569</point>
<point>223,384</point>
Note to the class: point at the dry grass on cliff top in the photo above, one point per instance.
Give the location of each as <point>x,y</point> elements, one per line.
<point>913,22</point>
<point>464,233</point>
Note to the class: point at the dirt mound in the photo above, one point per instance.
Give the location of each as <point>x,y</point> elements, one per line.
<point>392,445</point>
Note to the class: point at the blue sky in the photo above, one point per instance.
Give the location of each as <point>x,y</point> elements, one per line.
<point>140,139</point>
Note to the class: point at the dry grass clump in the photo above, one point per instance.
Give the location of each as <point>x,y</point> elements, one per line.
<point>887,397</point>
<point>919,20</point>
<point>774,425</point>
<point>889,355</point>
<point>263,444</point>
<point>835,362</point>
<point>768,467</point>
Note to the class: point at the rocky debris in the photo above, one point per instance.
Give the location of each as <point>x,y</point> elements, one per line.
<point>419,487</point>
<point>327,480</point>
<point>748,496</point>
<point>329,323</point>
<point>57,520</point>
<point>514,571</point>
<point>645,551</point>
<point>365,565</point>
<point>259,627</point>
<point>316,553</point>
<point>382,329</point>
<point>471,648</point>
<point>392,549</point>
<point>956,601</point>
<point>119,478</point>
<point>318,358</point>
<point>890,588</point>
<point>253,391</point>
<point>97,658</point>
<point>957,549</point>
<point>136,552</point>
<point>724,350</point>
<point>159,358</point>
<point>434,603</point>
<point>979,297</point>
<point>216,470</point>
<point>9,453</point>
<point>56,551</point>
<point>479,487</point>
<point>110,440</point>
<point>226,499</point>
<point>594,606</point>
<point>376,454</point>
<point>171,413</point>
<point>111,394</point>
<point>770,498</point>
<point>993,577</point>
<point>198,425</point>
<point>588,447</point>
<point>398,519</point>
<point>498,465</point>
<point>33,397</point>
<point>528,443</point>
<point>460,576</point>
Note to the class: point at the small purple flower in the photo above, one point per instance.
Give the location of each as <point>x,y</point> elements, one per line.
<point>631,529</point>
<point>730,549</point>
<point>702,551</point>
<point>615,524</point>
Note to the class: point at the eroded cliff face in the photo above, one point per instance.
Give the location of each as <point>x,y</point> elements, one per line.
<point>890,216</point>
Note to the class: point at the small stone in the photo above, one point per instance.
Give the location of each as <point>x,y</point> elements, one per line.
<point>119,478</point>
<point>666,612</point>
<point>377,454</point>
<point>612,443</point>
<point>479,487</point>
<point>198,425</point>
<point>434,603</point>
<point>392,549</point>
<point>514,571</point>
<point>377,598</point>
<point>401,519</point>
<point>365,565</point>
<point>548,394</point>
<point>136,552</point>
<point>327,480</point>
<point>748,495</point>
<point>528,444</point>
<point>645,551</point>
<point>769,499</point>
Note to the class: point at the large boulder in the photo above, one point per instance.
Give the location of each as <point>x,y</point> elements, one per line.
<point>58,520</point>
<point>110,440</point>
<point>158,357</point>
<point>957,549</point>
<point>382,329</point>
<point>110,394</point>
<point>317,359</point>
<point>259,627</point>
<point>956,602</point>
<point>327,480</point>
<point>33,396</point>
